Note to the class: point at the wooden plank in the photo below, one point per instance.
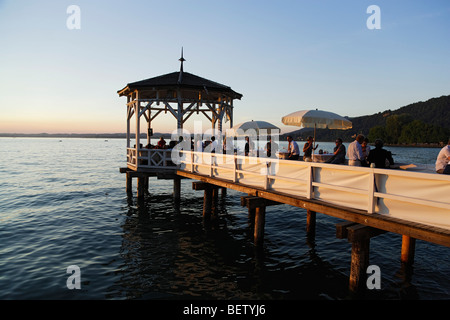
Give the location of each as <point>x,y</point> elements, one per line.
<point>341,229</point>
<point>244,200</point>
<point>218,182</point>
<point>359,232</point>
<point>200,185</point>
<point>252,202</point>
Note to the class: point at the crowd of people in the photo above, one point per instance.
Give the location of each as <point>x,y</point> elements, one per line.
<point>359,152</point>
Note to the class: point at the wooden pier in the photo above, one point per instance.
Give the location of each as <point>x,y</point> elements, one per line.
<point>369,201</point>
<point>358,227</point>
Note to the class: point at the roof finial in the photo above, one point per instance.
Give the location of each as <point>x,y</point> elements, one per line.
<point>180,77</point>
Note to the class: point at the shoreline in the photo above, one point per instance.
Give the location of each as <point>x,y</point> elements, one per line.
<point>165,135</point>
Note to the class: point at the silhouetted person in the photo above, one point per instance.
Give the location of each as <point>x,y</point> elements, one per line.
<point>380,155</point>
<point>339,153</point>
<point>271,147</point>
<point>161,143</point>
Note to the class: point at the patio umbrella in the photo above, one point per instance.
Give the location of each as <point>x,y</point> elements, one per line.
<point>256,126</point>
<point>316,119</point>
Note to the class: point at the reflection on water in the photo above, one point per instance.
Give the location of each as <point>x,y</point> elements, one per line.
<point>171,252</point>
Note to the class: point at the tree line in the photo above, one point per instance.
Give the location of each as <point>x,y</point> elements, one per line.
<point>424,122</point>
<point>404,129</point>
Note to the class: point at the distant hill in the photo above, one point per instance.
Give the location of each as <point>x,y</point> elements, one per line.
<point>433,113</point>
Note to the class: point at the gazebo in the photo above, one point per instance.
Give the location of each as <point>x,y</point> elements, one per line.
<point>181,94</point>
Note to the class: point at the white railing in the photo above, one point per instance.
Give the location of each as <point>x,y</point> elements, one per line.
<point>413,196</point>
<point>150,158</point>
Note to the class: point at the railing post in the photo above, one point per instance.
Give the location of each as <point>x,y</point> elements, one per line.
<point>235,169</point>
<point>309,181</point>
<point>371,204</point>
<point>211,165</point>
<point>266,182</point>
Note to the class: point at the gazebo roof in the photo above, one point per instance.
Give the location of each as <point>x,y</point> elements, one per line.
<point>180,80</point>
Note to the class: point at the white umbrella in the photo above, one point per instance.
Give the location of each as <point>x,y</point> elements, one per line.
<point>245,127</point>
<point>316,119</point>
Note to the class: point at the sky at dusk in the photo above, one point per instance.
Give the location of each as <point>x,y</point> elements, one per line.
<point>283,56</point>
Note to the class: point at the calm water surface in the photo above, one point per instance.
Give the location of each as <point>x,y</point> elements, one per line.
<point>63,202</point>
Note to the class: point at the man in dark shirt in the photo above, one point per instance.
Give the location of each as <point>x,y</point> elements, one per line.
<point>380,155</point>
<point>339,153</point>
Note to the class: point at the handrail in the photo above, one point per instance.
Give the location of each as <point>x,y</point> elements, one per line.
<point>340,184</point>
<point>150,158</point>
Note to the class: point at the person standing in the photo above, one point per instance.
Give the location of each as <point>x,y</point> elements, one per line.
<point>249,146</point>
<point>308,149</point>
<point>271,148</point>
<point>443,160</point>
<point>365,148</point>
<point>293,150</point>
<point>354,153</point>
<point>378,156</point>
<point>214,144</point>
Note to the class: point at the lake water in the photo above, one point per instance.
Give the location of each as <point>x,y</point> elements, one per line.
<point>63,202</point>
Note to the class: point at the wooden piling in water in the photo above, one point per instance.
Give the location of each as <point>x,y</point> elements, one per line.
<point>140,186</point>
<point>359,236</point>
<point>260,220</point>
<point>408,250</point>
<point>129,183</point>
<point>177,188</point>
<point>257,207</point>
<point>224,192</point>
<point>310,223</point>
<point>210,197</point>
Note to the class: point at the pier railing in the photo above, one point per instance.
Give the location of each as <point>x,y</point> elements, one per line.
<point>413,196</point>
<point>150,158</point>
